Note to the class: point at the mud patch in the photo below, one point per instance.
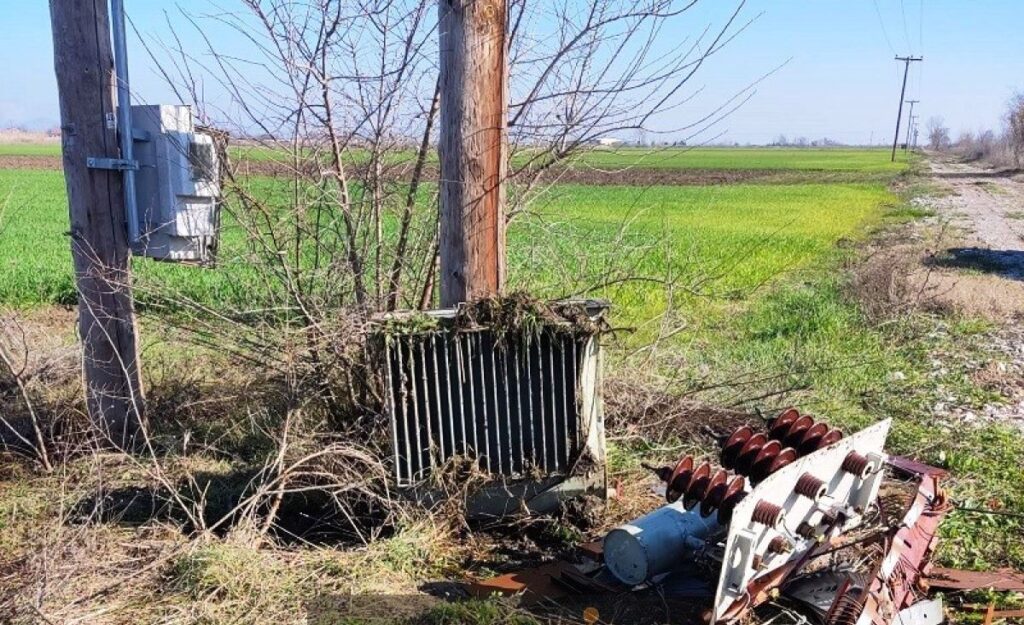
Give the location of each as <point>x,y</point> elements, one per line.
<point>31,162</point>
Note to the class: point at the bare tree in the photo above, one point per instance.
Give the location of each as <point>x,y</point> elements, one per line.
<point>343,97</point>
<point>330,182</point>
<point>938,134</point>
<point>1015,127</point>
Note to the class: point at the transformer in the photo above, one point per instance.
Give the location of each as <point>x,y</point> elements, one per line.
<point>524,407</point>
<point>177,187</point>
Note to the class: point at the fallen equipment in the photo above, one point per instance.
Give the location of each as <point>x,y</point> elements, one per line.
<point>781,514</point>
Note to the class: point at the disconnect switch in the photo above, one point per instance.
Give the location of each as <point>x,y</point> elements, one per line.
<point>177,186</point>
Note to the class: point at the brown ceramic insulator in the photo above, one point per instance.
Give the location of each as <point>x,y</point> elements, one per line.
<point>767,513</point>
<point>856,464</point>
<point>831,437</point>
<point>734,494</point>
<point>811,487</point>
<point>745,459</point>
<point>733,445</point>
<point>810,439</point>
<point>797,430</point>
<point>806,530</point>
<point>679,480</point>
<point>698,485</point>
<point>846,609</point>
<point>771,457</point>
<point>780,424</point>
<point>802,432</point>
<point>715,492</point>
<point>760,466</point>
<point>779,545</point>
<point>785,457</point>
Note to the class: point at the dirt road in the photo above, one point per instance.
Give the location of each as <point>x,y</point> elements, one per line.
<point>989,207</point>
<point>976,267</point>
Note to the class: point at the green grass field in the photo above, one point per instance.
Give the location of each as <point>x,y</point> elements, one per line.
<point>749,234</point>
<point>30,149</point>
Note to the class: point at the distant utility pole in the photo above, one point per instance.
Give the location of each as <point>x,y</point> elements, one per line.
<point>907,60</point>
<point>472,147</point>
<point>83,62</point>
<point>910,123</point>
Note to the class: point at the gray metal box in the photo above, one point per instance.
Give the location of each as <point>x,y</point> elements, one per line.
<point>177,185</point>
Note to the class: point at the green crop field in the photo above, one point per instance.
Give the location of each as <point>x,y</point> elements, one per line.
<point>874,160</point>
<point>755,232</point>
<point>786,159</point>
<point>30,149</point>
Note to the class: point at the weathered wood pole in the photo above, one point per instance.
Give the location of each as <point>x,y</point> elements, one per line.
<point>84,65</point>
<point>472,148</point>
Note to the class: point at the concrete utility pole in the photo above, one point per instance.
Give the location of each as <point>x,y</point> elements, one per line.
<point>910,123</point>
<point>907,60</point>
<point>84,64</point>
<point>472,147</point>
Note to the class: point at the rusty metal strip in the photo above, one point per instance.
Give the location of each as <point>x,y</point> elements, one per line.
<point>941,578</point>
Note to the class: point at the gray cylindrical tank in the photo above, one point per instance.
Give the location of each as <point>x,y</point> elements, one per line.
<point>657,542</point>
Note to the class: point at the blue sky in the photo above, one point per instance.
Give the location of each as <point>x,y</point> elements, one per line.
<point>840,80</point>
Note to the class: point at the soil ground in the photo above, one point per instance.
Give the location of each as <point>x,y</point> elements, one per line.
<point>971,255</point>
<point>581,174</point>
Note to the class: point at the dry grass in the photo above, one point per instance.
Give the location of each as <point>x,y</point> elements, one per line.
<point>16,135</point>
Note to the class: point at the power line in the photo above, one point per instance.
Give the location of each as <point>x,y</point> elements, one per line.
<point>881,23</point>
<point>920,26</point>
<point>906,34</point>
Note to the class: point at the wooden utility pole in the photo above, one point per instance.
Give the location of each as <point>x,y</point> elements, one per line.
<point>907,60</point>
<point>472,147</point>
<point>910,123</point>
<point>83,62</point>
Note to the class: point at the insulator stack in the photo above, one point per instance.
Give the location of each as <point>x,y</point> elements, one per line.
<point>712,488</point>
<point>856,464</point>
<point>811,487</point>
<point>802,432</point>
<point>754,454</point>
<point>767,513</point>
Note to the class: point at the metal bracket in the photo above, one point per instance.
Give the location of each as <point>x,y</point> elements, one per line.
<point>119,164</point>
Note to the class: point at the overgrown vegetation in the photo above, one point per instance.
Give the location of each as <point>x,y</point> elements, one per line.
<point>754,306</point>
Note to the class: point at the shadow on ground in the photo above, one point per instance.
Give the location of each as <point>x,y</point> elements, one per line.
<point>1005,263</point>
<point>212,499</point>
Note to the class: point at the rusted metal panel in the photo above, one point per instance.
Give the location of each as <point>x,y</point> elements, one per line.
<point>897,578</point>
<point>942,578</point>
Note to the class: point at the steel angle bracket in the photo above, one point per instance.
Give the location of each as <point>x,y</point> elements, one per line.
<point>116,164</point>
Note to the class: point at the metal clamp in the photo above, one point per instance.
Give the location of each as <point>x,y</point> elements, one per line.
<point>119,164</point>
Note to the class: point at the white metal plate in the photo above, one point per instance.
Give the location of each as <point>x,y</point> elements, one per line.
<point>747,539</point>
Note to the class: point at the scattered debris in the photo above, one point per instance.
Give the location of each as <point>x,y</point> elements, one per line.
<point>793,511</point>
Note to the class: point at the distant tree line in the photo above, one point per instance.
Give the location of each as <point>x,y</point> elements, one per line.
<point>804,142</point>
<point>1004,148</point>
